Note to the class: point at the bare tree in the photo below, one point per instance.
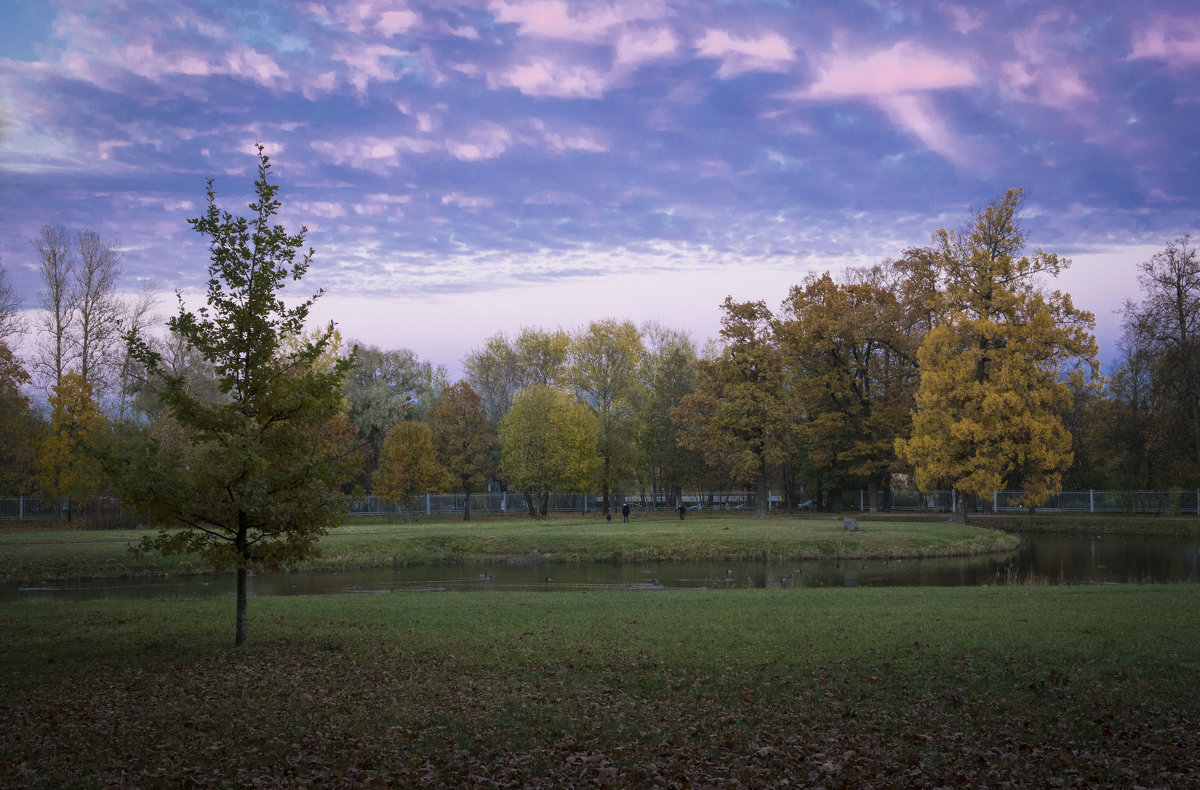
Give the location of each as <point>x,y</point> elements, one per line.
<point>98,309</point>
<point>11,323</point>
<point>139,316</point>
<point>57,268</point>
<point>1167,324</point>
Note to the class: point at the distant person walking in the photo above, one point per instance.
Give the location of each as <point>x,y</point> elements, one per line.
<point>681,510</point>
<point>625,512</point>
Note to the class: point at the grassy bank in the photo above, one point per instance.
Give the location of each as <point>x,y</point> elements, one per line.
<point>997,687</point>
<point>34,556</point>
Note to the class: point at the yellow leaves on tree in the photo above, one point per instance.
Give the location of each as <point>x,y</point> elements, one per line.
<point>992,392</point>
<point>66,470</point>
<point>408,465</point>
<point>548,443</point>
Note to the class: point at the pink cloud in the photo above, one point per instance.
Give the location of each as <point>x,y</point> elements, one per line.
<point>903,68</point>
<point>381,204</point>
<point>392,23</point>
<point>1046,70</point>
<point>544,77</point>
<point>468,202</point>
<point>373,62</point>
<point>640,46</point>
<point>486,142</point>
<point>770,52</point>
<point>370,152</point>
<point>582,140</point>
<point>963,20</point>
<point>1175,41</point>
<point>918,115</point>
<point>553,18</point>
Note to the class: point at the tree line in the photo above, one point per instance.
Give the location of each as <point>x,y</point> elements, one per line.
<point>955,364</point>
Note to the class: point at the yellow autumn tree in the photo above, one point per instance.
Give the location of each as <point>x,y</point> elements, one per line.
<point>67,471</point>
<point>408,466</point>
<point>996,364</point>
<point>548,443</point>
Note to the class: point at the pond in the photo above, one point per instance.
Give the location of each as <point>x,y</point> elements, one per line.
<point>1041,559</point>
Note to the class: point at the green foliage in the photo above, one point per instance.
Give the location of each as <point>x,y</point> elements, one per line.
<point>667,374</point>
<point>251,479</point>
<point>548,443</point>
<point>738,416</point>
<point>851,355</point>
<point>604,362</point>
<point>988,410</point>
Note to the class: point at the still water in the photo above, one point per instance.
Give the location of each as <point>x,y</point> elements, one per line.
<point>1041,559</point>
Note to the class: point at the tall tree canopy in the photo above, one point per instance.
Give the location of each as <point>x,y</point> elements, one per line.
<point>547,443</point>
<point>853,372</point>
<point>989,405</point>
<point>605,359</point>
<point>738,415</point>
<point>408,466</point>
<point>1163,331</point>
<point>463,438</point>
<point>254,481</point>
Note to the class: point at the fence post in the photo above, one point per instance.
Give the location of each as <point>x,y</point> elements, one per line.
<point>20,508</point>
<point>428,497</point>
<point>995,501</point>
<point>1091,500</point>
<point>861,500</point>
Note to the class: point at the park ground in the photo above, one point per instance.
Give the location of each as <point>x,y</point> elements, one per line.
<point>866,688</point>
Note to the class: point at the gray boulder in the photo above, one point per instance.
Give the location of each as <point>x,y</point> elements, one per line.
<point>850,524</point>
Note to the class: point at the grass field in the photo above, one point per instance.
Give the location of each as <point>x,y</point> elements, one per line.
<point>853,688</point>
<point>51,554</point>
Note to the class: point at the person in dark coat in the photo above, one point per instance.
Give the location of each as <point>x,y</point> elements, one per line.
<point>625,512</point>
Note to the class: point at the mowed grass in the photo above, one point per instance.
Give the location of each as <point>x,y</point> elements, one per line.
<point>895,687</point>
<point>40,555</point>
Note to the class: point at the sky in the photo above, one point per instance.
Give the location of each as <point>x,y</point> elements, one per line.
<point>468,168</point>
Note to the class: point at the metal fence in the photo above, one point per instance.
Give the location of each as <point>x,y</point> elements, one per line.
<point>514,504</point>
<point>1162,502</point>
<point>107,511</point>
<point>97,513</point>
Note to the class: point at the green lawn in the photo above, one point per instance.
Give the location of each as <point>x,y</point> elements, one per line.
<point>38,555</point>
<point>897,687</point>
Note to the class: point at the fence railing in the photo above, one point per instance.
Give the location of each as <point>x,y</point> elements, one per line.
<point>107,511</point>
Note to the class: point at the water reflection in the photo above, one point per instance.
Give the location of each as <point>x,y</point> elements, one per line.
<point>1040,560</point>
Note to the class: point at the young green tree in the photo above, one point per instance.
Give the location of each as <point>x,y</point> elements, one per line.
<point>666,375</point>
<point>989,405</point>
<point>408,466</point>
<point>68,470</point>
<point>738,415</point>
<point>547,443</point>
<point>463,438</point>
<point>605,359</point>
<point>254,482</point>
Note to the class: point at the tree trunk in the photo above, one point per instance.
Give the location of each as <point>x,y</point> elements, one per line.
<point>762,499</point>
<point>960,508</point>
<point>531,504</point>
<point>239,634</point>
<point>467,506</point>
<point>873,495</point>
